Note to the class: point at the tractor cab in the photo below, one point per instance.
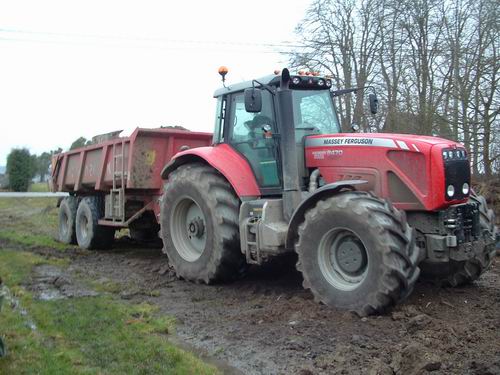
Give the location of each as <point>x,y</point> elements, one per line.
<point>248,119</point>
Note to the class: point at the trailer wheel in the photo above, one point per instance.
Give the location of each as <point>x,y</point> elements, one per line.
<point>457,273</point>
<point>357,252</point>
<point>89,234</point>
<point>199,225</point>
<point>67,219</point>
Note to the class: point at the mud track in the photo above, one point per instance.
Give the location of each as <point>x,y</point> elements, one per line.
<point>267,324</point>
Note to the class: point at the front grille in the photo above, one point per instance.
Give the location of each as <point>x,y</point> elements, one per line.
<point>457,172</point>
<point>462,221</point>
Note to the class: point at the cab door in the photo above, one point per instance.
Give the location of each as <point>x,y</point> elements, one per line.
<point>245,133</point>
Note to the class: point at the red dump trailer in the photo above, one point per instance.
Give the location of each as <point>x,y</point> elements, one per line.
<point>119,181</point>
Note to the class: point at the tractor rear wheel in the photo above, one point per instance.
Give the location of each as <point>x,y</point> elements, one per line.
<point>357,252</point>
<point>199,225</point>
<point>89,234</point>
<point>67,219</point>
<point>457,273</point>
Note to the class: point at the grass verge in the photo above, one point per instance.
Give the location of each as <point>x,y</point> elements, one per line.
<point>31,222</point>
<point>39,187</point>
<point>91,335</point>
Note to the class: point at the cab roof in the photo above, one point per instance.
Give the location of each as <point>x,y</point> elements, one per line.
<point>271,79</point>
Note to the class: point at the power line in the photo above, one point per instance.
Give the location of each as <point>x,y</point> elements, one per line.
<point>158,40</point>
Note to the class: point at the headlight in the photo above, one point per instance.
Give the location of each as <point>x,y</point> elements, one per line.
<point>465,188</point>
<point>450,191</point>
<point>296,80</point>
<point>321,82</point>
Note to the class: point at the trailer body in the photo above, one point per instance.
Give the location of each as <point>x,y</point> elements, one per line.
<point>125,171</point>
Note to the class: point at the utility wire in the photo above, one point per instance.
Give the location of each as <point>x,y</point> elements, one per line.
<point>20,36</point>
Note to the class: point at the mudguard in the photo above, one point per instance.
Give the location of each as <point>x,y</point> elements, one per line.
<point>322,193</point>
<point>226,160</point>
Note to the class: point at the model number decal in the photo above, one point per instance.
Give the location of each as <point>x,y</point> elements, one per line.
<point>320,155</point>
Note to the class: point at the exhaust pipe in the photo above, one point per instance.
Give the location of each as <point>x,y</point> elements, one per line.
<point>292,195</point>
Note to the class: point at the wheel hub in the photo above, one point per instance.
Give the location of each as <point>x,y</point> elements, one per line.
<point>343,259</point>
<point>188,229</point>
<point>196,227</point>
<point>349,256</point>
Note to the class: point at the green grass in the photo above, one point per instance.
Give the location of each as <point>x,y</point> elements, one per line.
<point>39,187</point>
<point>93,335</point>
<point>32,240</point>
<point>31,222</point>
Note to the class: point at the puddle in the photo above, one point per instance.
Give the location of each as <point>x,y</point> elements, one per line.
<point>49,295</point>
<point>50,283</point>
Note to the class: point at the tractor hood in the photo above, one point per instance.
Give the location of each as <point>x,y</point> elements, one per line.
<point>412,171</point>
<point>401,141</point>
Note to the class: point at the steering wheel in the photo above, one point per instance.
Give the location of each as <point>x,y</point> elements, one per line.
<point>307,126</point>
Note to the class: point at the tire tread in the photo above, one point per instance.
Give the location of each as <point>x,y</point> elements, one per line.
<point>400,270</point>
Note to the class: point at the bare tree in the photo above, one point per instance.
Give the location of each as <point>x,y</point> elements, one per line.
<point>435,62</point>
<point>341,39</point>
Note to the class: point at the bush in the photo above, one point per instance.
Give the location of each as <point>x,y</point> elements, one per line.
<point>20,168</point>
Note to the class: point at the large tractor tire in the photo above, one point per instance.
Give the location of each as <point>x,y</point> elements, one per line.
<point>458,273</point>
<point>67,220</point>
<point>357,252</point>
<point>199,225</point>
<point>89,234</point>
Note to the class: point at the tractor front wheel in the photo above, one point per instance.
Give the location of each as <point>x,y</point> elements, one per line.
<point>357,252</point>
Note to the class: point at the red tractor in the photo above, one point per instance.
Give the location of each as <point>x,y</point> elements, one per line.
<point>366,213</point>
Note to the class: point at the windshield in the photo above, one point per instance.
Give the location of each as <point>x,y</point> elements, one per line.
<point>314,112</point>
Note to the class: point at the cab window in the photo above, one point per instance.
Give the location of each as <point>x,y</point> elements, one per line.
<point>247,136</point>
<point>314,112</point>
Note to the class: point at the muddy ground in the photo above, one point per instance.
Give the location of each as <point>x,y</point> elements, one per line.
<point>267,324</point>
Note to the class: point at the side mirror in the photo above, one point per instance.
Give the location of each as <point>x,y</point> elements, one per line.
<point>373,103</point>
<point>253,100</point>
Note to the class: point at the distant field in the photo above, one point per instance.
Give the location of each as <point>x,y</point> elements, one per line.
<point>36,187</point>
<point>39,187</point>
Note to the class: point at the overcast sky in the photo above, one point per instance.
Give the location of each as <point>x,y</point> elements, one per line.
<point>81,68</point>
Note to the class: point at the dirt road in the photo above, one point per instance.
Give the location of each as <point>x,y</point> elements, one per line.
<point>267,324</point>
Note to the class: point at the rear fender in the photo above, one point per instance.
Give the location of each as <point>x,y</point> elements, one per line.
<point>224,159</point>
<point>324,192</point>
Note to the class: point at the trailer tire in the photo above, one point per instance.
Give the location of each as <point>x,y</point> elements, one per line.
<point>357,252</point>
<point>458,273</point>
<point>199,225</point>
<point>67,220</point>
<point>89,234</point>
